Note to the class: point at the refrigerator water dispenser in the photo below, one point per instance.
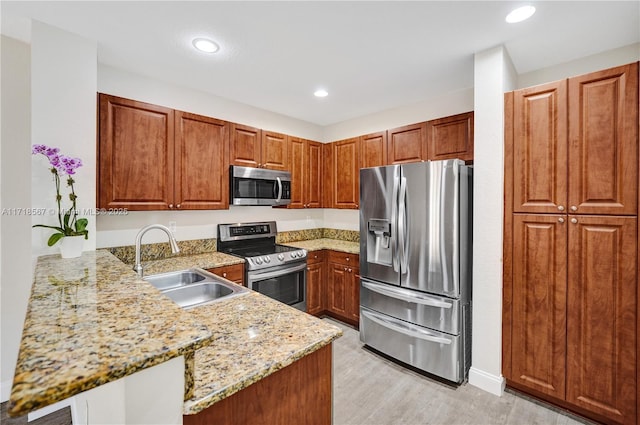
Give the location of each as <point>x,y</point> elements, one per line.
<point>378,246</point>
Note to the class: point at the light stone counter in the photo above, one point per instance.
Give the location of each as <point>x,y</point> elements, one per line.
<point>334,244</point>
<point>91,321</point>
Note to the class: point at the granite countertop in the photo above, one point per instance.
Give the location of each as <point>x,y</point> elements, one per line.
<point>253,337</point>
<point>91,320</point>
<point>333,244</point>
<point>207,260</point>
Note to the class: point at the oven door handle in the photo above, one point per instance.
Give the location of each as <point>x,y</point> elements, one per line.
<point>280,272</point>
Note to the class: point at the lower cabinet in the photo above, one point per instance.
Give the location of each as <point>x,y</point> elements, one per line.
<point>316,282</point>
<point>573,313</point>
<point>234,273</point>
<point>343,286</point>
<point>333,285</point>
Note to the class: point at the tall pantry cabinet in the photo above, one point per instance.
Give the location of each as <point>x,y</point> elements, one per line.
<point>570,308</point>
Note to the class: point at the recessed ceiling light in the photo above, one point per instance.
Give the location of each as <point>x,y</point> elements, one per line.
<point>205,45</point>
<point>320,93</point>
<point>520,14</point>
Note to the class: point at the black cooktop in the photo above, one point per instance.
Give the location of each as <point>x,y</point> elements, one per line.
<point>258,250</point>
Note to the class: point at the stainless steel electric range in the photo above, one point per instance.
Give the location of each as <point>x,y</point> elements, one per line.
<point>277,271</point>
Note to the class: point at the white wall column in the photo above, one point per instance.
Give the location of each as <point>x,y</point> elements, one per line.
<point>64,82</point>
<point>15,198</point>
<point>493,75</point>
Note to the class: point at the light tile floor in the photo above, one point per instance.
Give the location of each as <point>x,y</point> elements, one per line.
<point>371,390</point>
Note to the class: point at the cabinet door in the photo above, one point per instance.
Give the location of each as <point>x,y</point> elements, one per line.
<point>540,149</point>
<point>136,155</point>
<point>275,149</point>
<point>298,172</point>
<point>328,193</point>
<point>313,177</point>
<point>315,285</point>
<point>450,137</point>
<point>346,178</point>
<point>338,301</point>
<point>603,134</point>
<point>373,149</point>
<point>602,309</point>
<point>234,273</point>
<point>539,297</point>
<point>245,146</point>
<point>407,144</point>
<point>201,167</point>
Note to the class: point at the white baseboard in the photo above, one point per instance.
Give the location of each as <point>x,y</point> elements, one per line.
<point>5,390</point>
<point>486,381</point>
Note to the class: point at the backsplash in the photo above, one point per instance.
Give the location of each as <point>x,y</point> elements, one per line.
<point>158,251</point>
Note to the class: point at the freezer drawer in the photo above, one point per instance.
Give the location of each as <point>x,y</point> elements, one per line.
<point>439,313</point>
<point>434,352</point>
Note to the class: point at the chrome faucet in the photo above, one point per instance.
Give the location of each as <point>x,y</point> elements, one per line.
<point>138,268</point>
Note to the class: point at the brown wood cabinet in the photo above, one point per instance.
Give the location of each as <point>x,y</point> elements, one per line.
<point>305,158</point>
<point>373,149</point>
<point>253,147</point>
<point>343,283</point>
<point>316,282</point>
<point>450,138</point>
<point>345,173</point>
<point>407,144</point>
<point>234,273</point>
<point>155,158</point>
<point>298,394</point>
<point>201,168</point>
<point>327,175</point>
<point>570,308</point>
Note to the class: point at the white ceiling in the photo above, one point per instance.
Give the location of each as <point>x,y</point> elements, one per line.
<point>370,56</point>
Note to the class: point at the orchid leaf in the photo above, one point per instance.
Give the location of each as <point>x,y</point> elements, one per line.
<point>81,225</point>
<point>59,229</point>
<point>54,238</point>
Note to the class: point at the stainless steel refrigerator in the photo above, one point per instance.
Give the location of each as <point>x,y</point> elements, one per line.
<point>415,264</point>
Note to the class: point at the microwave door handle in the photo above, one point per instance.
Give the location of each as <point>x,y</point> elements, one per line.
<point>279,197</point>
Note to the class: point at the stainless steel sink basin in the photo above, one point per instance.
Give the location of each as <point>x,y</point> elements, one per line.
<point>171,280</point>
<point>195,287</point>
<point>198,293</point>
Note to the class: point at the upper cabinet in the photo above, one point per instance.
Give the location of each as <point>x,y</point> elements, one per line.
<point>450,137</point>
<point>155,158</point>
<point>345,173</point>
<point>603,142</point>
<point>201,168</point>
<point>575,144</point>
<point>406,144</point>
<point>252,147</point>
<point>245,149</point>
<point>305,158</point>
<point>373,150</point>
<point>135,155</point>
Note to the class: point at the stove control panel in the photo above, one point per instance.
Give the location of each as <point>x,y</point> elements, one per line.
<point>272,260</point>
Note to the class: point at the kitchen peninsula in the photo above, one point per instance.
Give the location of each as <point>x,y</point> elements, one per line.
<point>91,321</point>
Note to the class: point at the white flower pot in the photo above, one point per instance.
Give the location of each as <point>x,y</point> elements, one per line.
<point>71,246</point>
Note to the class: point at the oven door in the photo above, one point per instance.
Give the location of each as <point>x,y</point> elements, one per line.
<point>287,284</point>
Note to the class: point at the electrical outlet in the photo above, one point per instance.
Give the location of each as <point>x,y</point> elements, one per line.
<point>172,226</point>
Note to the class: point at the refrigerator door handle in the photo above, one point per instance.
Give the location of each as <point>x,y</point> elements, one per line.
<point>394,221</point>
<point>402,226</point>
<point>405,295</point>
<point>404,328</point>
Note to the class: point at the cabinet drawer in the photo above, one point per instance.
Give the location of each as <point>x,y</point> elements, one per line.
<point>344,258</point>
<point>234,273</point>
<point>314,257</point>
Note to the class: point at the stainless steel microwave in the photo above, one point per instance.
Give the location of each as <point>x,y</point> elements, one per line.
<point>259,186</point>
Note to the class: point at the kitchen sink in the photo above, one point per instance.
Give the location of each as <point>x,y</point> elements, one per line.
<point>195,287</point>
<point>171,280</point>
